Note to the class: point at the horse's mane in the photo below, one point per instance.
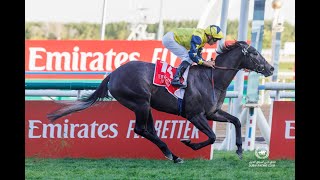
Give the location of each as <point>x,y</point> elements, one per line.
<point>229,47</point>
<point>223,50</point>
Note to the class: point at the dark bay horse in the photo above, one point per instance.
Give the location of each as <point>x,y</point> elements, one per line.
<point>131,85</point>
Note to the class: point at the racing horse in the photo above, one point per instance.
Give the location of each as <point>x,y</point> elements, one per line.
<point>132,86</point>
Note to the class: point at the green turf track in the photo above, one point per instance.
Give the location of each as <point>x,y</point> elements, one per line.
<point>225,165</point>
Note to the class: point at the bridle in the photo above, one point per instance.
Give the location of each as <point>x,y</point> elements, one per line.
<point>247,54</point>
<point>258,68</point>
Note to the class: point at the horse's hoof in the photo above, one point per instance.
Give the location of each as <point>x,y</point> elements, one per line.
<point>239,154</point>
<point>169,156</point>
<point>185,141</point>
<point>178,160</point>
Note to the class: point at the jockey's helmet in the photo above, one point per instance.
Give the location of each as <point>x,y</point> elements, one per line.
<point>214,31</point>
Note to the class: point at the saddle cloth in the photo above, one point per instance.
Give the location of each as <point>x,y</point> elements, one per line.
<point>163,75</point>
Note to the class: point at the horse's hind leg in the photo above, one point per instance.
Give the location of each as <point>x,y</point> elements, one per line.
<point>142,112</point>
<point>151,130</point>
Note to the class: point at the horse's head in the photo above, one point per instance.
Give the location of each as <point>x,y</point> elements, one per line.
<point>254,61</point>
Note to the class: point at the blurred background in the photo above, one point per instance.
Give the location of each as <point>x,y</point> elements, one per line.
<point>82,19</point>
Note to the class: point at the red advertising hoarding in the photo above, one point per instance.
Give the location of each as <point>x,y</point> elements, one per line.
<point>282,142</point>
<point>105,131</point>
<point>92,59</point>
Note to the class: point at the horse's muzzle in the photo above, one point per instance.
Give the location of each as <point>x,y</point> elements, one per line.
<point>268,71</point>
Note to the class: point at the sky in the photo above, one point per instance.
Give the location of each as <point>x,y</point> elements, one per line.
<point>125,10</point>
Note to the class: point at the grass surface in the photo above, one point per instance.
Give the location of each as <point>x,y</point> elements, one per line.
<point>225,165</point>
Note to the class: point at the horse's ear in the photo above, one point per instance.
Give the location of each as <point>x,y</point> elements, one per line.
<point>252,50</point>
<point>243,44</point>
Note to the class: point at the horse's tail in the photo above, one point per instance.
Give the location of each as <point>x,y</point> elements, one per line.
<point>100,93</point>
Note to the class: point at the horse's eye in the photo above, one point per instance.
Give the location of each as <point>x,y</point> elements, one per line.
<point>255,53</point>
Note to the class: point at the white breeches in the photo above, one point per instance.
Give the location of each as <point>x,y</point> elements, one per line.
<point>178,50</point>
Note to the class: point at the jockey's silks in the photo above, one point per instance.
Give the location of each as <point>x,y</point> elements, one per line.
<point>192,39</point>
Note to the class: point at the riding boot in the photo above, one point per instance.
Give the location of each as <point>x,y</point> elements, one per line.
<point>176,78</point>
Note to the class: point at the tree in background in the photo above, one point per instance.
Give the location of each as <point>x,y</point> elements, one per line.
<point>121,30</point>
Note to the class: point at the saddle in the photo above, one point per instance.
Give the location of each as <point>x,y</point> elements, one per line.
<point>163,75</point>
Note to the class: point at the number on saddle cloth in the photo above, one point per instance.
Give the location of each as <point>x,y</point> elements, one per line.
<point>163,76</point>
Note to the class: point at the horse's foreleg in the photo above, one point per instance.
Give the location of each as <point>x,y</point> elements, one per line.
<point>201,123</point>
<point>223,116</point>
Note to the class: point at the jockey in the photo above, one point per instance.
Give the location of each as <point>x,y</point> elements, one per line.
<point>180,40</point>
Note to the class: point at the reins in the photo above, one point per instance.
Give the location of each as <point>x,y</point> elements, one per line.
<point>225,68</point>
<point>245,53</point>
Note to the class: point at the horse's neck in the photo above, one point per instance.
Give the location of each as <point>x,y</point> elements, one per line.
<point>222,77</point>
